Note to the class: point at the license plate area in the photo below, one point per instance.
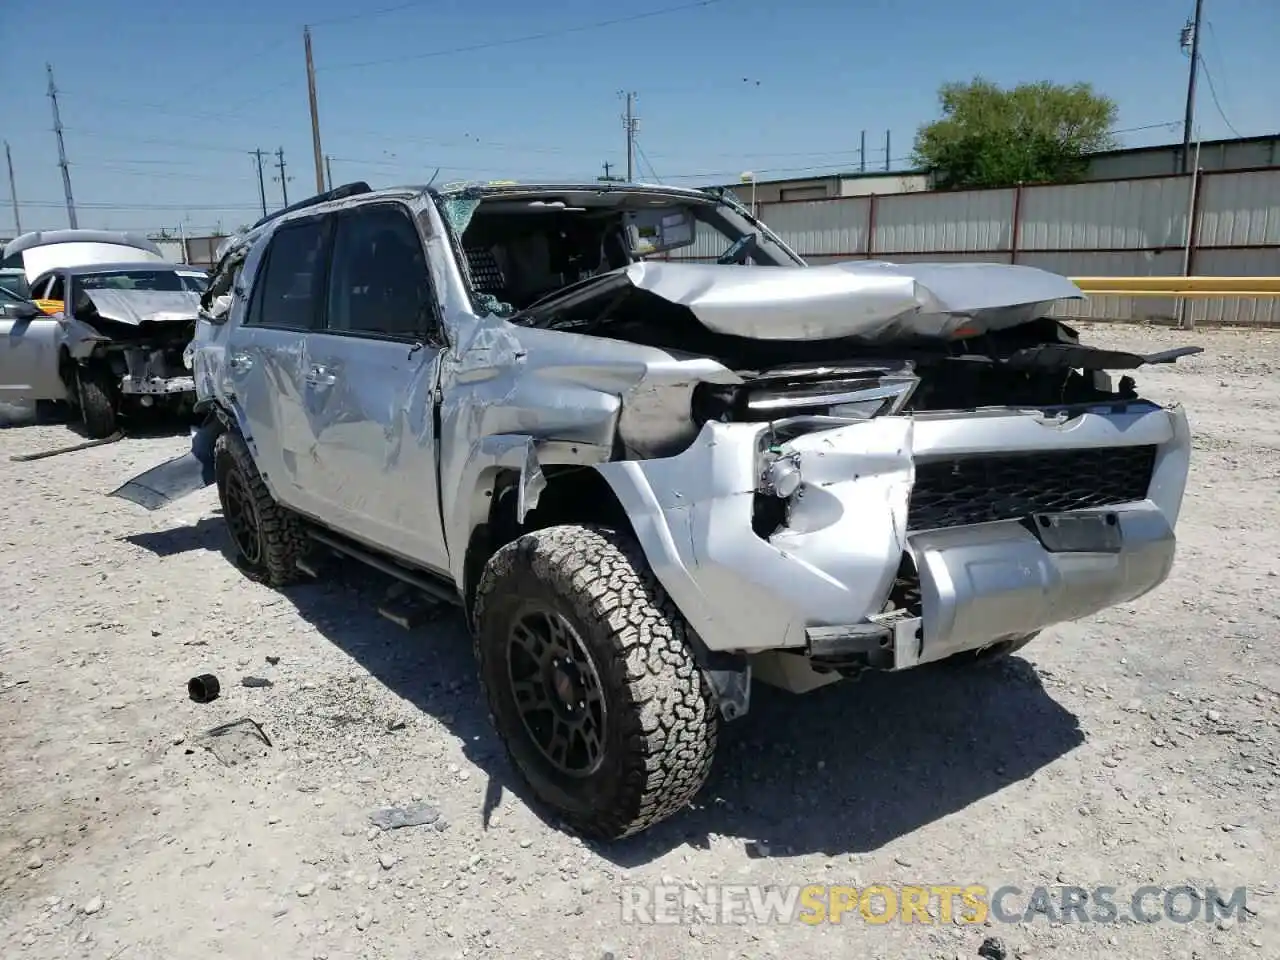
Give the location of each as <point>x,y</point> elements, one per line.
<point>1078,532</point>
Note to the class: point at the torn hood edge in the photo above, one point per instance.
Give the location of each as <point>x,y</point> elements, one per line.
<point>863,299</point>
<point>143,306</point>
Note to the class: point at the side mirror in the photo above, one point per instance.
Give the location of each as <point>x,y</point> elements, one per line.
<point>25,311</point>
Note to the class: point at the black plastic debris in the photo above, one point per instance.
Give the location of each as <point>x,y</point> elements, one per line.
<point>204,688</point>
<point>256,682</point>
<point>273,660</point>
<point>411,815</point>
<point>993,948</point>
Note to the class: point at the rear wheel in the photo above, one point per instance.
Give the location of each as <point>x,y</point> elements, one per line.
<point>591,682</point>
<point>97,402</point>
<point>268,538</point>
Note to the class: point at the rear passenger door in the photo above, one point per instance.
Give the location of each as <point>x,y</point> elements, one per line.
<point>266,359</point>
<point>369,388</point>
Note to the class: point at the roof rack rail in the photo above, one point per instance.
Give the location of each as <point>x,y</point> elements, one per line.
<point>337,193</point>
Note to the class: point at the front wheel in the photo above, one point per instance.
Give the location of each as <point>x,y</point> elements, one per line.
<point>97,401</point>
<point>590,679</point>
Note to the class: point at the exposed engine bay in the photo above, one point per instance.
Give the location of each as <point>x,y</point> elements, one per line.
<point>138,337</point>
<point>581,269</point>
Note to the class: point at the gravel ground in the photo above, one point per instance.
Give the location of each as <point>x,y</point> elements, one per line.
<point>1138,747</point>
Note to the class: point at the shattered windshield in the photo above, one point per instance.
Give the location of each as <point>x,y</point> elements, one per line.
<point>521,248</point>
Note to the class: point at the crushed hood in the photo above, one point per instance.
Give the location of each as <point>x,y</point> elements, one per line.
<point>865,299</point>
<point>145,306</point>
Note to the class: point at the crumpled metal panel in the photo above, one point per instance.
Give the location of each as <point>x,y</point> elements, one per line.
<point>143,306</point>
<point>870,300</point>
<point>835,560</point>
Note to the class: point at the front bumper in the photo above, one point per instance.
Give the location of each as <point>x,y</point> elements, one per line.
<point>156,386</point>
<point>848,577</point>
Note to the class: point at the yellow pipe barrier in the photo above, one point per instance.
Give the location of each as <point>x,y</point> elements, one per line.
<point>1189,287</point>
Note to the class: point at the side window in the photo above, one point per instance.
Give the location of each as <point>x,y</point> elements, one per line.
<point>39,287</point>
<point>379,283</point>
<point>57,289</point>
<point>289,293</point>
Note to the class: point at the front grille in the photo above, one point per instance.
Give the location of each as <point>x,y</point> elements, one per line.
<point>981,488</point>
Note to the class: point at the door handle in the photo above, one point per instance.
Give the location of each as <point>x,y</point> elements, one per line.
<point>321,376</point>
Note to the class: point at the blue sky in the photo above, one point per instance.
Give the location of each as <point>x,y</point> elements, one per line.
<point>162,101</point>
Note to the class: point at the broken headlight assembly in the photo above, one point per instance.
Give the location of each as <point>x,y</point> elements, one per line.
<point>189,355</point>
<point>779,481</point>
<point>845,393</point>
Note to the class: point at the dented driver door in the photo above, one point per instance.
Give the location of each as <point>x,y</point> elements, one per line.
<point>369,386</point>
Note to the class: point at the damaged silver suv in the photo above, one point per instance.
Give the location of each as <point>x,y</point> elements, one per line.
<point>648,480</point>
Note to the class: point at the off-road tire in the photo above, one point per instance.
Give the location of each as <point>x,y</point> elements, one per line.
<point>662,726</point>
<point>97,402</point>
<point>281,540</point>
<point>988,656</point>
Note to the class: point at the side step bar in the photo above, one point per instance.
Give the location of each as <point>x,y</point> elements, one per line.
<point>424,582</point>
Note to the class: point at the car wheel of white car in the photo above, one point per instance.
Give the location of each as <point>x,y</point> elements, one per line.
<point>591,682</point>
<point>96,402</point>
<point>267,537</point>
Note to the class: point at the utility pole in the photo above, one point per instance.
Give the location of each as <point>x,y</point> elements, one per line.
<point>284,189</point>
<point>13,191</point>
<point>1192,27</point>
<point>315,110</point>
<point>887,155</point>
<point>328,170</point>
<point>862,153</point>
<point>62,150</point>
<point>607,178</point>
<point>629,122</point>
<point>262,189</point>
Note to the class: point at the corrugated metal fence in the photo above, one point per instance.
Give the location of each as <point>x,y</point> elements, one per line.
<point>1135,227</point>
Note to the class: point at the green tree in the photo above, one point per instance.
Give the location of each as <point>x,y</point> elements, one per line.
<point>1032,133</point>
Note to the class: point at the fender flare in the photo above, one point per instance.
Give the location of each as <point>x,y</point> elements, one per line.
<point>669,551</point>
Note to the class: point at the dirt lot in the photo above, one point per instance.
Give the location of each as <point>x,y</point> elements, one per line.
<point>1136,748</point>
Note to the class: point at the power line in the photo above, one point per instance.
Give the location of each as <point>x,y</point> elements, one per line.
<point>527,38</point>
<point>652,172</point>
<point>177,144</point>
<point>1213,94</point>
<point>152,174</point>
<point>153,107</point>
<point>368,15</point>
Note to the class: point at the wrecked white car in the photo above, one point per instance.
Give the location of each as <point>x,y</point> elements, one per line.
<point>647,482</point>
<point>112,336</point>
